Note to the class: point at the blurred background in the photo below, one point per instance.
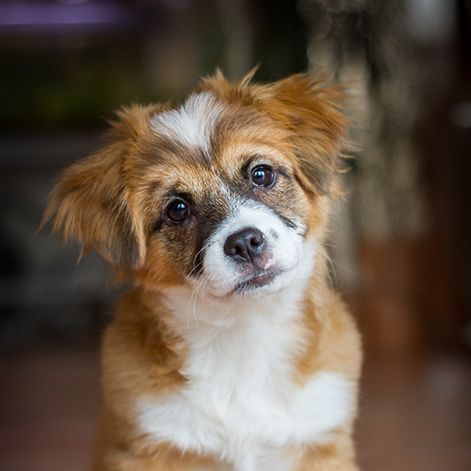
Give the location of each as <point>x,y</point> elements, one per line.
<point>400,241</point>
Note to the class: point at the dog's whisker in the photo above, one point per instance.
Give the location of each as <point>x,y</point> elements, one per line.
<point>199,288</point>
<point>222,319</point>
<point>197,266</point>
<point>330,273</point>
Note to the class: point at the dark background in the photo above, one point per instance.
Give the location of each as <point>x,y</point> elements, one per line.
<point>66,65</point>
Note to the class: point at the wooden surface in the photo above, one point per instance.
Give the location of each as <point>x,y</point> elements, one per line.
<point>415,415</point>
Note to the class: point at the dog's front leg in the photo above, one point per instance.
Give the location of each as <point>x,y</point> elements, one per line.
<point>338,455</point>
<point>118,460</point>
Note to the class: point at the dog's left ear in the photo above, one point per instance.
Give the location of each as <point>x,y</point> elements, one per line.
<point>317,124</point>
<point>91,202</point>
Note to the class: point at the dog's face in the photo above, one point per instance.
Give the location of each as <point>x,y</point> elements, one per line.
<point>225,194</point>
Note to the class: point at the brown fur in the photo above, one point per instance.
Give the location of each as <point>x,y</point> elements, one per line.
<point>114,201</point>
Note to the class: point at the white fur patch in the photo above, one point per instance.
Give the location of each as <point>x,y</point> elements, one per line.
<point>247,422</point>
<point>193,123</point>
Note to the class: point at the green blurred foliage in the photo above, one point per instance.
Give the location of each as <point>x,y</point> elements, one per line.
<point>50,85</point>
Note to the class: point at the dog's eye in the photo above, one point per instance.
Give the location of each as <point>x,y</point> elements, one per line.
<point>263,175</point>
<point>177,212</point>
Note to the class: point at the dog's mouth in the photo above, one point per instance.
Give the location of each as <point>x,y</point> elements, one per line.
<point>258,279</point>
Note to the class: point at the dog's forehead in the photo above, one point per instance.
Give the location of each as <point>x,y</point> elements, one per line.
<point>192,124</point>
<point>207,129</point>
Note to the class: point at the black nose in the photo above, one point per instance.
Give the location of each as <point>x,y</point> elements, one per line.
<point>245,245</point>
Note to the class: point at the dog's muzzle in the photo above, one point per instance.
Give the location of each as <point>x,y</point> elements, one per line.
<point>251,250</point>
<point>247,249</point>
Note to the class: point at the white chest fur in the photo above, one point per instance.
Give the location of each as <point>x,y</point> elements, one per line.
<point>240,402</point>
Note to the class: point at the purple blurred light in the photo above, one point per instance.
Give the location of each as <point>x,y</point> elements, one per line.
<point>48,14</point>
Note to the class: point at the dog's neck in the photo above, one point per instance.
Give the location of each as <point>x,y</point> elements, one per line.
<point>240,347</point>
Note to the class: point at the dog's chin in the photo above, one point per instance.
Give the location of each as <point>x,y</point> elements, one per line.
<point>258,284</point>
<point>258,281</point>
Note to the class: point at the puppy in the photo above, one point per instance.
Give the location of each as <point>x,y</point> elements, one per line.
<point>231,352</point>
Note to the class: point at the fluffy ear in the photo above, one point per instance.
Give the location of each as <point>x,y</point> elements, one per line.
<point>317,125</point>
<point>91,204</point>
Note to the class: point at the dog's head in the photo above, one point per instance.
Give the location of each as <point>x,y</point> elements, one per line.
<point>227,191</point>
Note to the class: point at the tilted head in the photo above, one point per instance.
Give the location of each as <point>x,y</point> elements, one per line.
<point>228,190</point>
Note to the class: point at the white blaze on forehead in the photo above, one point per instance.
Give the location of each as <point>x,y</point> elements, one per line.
<point>193,123</point>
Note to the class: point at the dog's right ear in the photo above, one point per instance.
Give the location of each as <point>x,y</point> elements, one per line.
<point>91,203</point>
<point>316,118</point>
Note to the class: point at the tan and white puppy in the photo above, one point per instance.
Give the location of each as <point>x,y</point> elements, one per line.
<point>231,352</point>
